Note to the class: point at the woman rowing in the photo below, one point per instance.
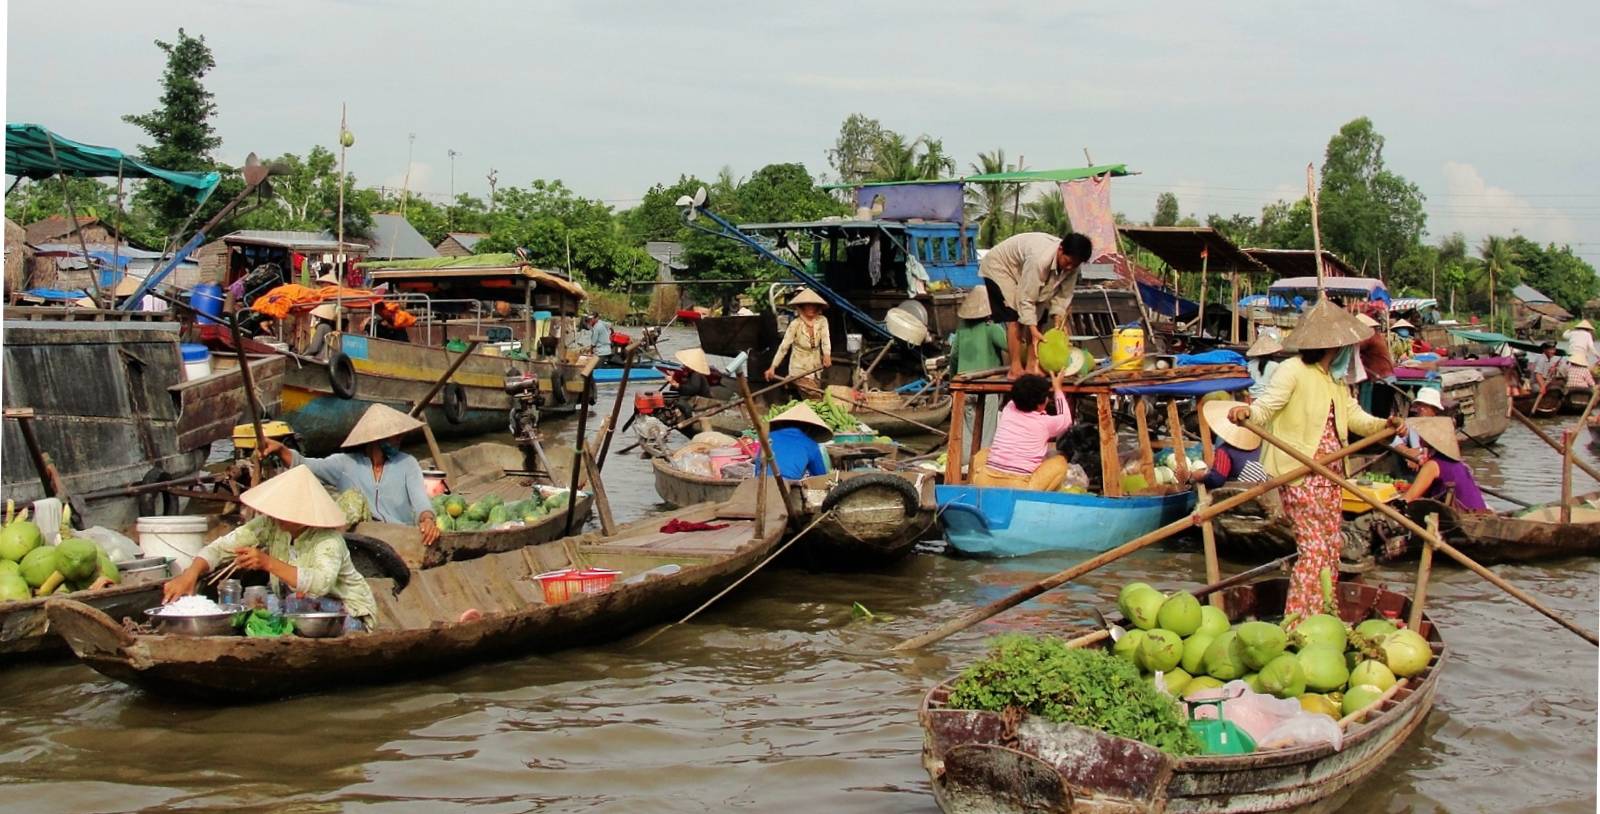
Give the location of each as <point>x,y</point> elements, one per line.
<point>295,538</point>
<point>1309,407</point>
<point>807,344</point>
<point>1443,476</point>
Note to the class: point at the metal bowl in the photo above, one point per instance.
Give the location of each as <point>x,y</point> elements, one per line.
<point>145,570</point>
<point>318,625</point>
<point>211,624</point>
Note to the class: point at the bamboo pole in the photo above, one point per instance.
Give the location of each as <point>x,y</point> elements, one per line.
<point>766,453</point>
<point>1545,437</point>
<point>1410,525</point>
<point>1143,541</point>
<point>1419,595</point>
<point>1316,230</point>
<point>1566,477</point>
<point>577,459</point>
<point>616,406</point>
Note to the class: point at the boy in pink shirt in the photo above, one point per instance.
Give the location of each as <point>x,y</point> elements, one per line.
<point>1024,436</point>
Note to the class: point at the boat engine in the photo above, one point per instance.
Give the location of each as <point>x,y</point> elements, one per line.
<point>523,388</point>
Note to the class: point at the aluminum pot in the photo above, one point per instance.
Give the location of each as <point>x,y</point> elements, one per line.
<point>318,625</point>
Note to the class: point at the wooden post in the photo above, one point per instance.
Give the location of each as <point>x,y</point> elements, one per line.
<point>978,419</point>
<point>952,463</point>
<point>1545,437</point>
<point>1180,452</point>
<point>577,465</point>
<point>608,524</point>
<point>789,510</point>
<point>1419,594</point>
<point>1110,467</point>
<point>1208,542</point>
<point>1147,457</point>
<point>616,406</point>
<point>1566,477</point>
<point>1233,307</point>
<point>1205,271</point>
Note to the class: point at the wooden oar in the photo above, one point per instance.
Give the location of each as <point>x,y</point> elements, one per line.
<point>913,422</point>
<point>1424,534</point>
<point>1143,541</point>
<point>1507,498</point>
<point>1554,444</point>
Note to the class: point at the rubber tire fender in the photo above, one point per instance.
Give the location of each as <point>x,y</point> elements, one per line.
<point>342,375</point>
<point>147,501</point>
<point>908,493</point>
<point>455,403</point>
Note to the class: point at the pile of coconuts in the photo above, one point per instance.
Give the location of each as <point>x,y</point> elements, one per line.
<point>1330,667</point>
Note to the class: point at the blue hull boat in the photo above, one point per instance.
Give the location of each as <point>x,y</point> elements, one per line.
<point>991,521</point>
<point>612,375</point>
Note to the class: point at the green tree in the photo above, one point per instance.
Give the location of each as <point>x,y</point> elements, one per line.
<point>560,230</point>
<point>988,202</point>
<point>1285,226</point>
<point>1499,273</point>
<point>774,193</point>
<point>934,163</point>
<point>1369,215</point>
<point>1166,213</point>
<point>305,197</point>
<point>658,217</point>
<point>37,200</point>
<point>1047,213</point>
<point>856,148</point>
<point>895,159</point>
<point>1241,229</point>
<point>181,134</point>
<point>1556,271</point>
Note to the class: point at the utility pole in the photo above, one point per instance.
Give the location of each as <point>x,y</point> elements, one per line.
<point>405,186</point>
<point>494,178</point>
<point>450,211</point>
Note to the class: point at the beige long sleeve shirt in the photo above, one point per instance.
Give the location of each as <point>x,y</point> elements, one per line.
<point>1023,267</point>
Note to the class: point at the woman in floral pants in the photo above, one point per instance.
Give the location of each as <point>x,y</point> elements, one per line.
<point>1308,405</point>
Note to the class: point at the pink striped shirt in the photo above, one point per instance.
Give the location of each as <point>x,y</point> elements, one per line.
<point>1021,440</point>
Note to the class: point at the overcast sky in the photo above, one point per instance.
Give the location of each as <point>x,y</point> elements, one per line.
<point>1490,107</point>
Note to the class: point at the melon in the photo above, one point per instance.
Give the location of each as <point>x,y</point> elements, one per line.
<point>1262,642</point>
<point>1161,650</point>
<point>1213,621</point>
<point>1180,614</point>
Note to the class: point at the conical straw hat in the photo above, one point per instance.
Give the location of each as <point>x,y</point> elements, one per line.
<point>326,311</point>
<point>808,297</point>
<point>1403,323</point>
<point>1266,344</point>
<point>1438,432</point>
<point>1367,321</point>
<point>806,418</point>
<point>380,421</point>
<point>1326,326</point>
<point>1585,325</point>
<point>328,278</point>
<point>1215,414</point>
<point>976,304</point>
<point>296,496</point>
<point>694,359</point>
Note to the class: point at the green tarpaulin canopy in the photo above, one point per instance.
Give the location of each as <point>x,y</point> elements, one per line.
<point>28,155</point>
<point>1491,338</point>
<point>1025,176</point>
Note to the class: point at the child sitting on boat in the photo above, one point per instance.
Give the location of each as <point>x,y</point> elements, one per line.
<point>1237,455</point>
<point>1443,476</point>
<point>1024,435</point>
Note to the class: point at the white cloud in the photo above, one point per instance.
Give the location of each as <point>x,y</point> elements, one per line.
<point>1475,208</point>
<point>421,176</point>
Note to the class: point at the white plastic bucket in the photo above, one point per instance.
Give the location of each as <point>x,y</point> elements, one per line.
<point>180,537</point>
<point>196,361</point>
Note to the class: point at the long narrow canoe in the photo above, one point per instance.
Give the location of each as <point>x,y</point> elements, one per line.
<point>427,628</point>
<point>1521,535</point>
<point>902,423</point>
<point>980,764</point>
<point>993,521</point>
<point>25,627</point>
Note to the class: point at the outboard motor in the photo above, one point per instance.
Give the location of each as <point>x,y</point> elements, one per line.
<point>523,388</point>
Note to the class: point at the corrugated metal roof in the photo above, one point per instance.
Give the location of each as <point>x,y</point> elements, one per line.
<point>1181,247</point>
<point>394,238</point>
<point>289,239</point>
<point>1529,294</point>
<point>466,239</point>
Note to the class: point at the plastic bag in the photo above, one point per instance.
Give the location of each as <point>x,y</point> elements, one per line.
<point>1304,729</point>
<point>1273,723</point>
<point>714,440</point>
<point>696,462</point>
<point>119,548</point>
<point>738,471</point>
<point>47,516</point>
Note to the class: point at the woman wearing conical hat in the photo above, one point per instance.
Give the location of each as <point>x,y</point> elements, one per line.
<point>1264,356</point>
<point>372,464</point>
<point>1581,356</point>
<point>294,537</point>
<point>806,342</point>
<point>1443,476</point>
<point>796,435</point>
<point>1309,407</point>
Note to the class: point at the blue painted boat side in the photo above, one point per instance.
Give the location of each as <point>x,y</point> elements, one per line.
<point>610,375</point>
<point>996,522</point>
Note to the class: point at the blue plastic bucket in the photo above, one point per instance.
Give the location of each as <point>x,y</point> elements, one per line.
<point>207,299</point>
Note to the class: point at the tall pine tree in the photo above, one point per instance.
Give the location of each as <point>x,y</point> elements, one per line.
<point>180,131</point>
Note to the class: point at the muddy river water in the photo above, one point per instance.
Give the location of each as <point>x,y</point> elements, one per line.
<point>776,700</point>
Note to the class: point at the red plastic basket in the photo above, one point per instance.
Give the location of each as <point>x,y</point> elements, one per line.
<point>568,583</point>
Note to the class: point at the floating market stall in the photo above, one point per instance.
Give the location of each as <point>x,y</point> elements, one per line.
<point>998,521</point>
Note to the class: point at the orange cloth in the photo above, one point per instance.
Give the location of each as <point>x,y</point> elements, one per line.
<point>278,302</point>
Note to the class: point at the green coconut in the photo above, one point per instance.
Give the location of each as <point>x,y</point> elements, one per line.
<point>13,588</point>
<point>39,564</point>
<point>1406,653</point>
<point>1253,681</point>
<point>1180,614</point>
<point>1224,659</point>
<point>18,538</point>
<point>1373,672</point>
<point>1194,652</point>
<point>107,568</point>
<point>1322,629</point>
<point>1213,621</point>
<point>1161,650</point>
<point>9,567</point>
<point>1352,658</point>
<point>1122,595</point>
<point>1200,684</point>
<point>1360,697</point>
<point>1176,680</point>
<point>1128,646</point>
<point>1054,350</point>
<point>1323,667</point>
<point>79,558</point>
<point>1376,628</point>
<point>1141,607</point>
<point>1262,642</point>
<point>1283,677</point>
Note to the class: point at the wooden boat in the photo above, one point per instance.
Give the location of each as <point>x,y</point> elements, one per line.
<point>979,763</point>
<point>1530,404</point>
<point>1479,396</point>
<point>25,628</point>
<point>875,517</point>
<point>992,521</point>
<point>935,414</point>
<point>421,629</point>
<point>1518,536</point>
<point>486,469</point>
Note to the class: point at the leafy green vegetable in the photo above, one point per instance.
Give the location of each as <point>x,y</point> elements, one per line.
<point>1082,687</point>
<point>832,413</point>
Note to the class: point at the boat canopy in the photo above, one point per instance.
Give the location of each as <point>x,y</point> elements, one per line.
<point>1194,248</point>
<point>1413,303</point>
<point>1366,288</point>
<point>937,245</point>
<point>507,267</point>
<point>29,155</point>
<point>1302,262</point>
<point>1494,339</point>
<point>1164,302</point>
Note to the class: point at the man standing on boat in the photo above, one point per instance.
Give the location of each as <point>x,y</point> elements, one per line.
<point>1028,276</point>
<point>595,338</point>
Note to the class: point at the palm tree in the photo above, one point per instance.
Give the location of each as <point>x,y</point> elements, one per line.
<point>987,201</point>
<point>1500,265</point>
<point>934,163</point>
<point>895,159</point>
<point>1049,211</point>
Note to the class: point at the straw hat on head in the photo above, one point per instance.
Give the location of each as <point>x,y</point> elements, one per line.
<point>1215,414</point>
<point>1367,321</point>
<point>801,415</point>
<point>328,279</point>
<point>1439,433</point>
<point>975,305</point>
<point>379,422</point>
<point>694,359</point>
<point>1401,323</point>
<point>326,311</point>
<point>1584,325</point>
<point>1431,397</point>
<point>807,297</point>
<point>1326,326</point>
<point>1266,344</point>
<point>296,496</point>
